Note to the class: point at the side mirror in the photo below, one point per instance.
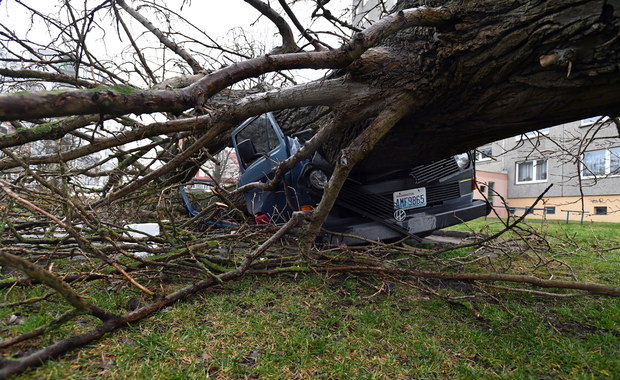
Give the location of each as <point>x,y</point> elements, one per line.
<point>247,152</point>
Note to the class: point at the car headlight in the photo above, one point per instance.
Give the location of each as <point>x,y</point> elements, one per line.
<point>462,160</point>
<point>318,179</point>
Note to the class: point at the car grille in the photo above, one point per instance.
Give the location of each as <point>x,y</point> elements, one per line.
<point>441,192</point>
<point>382,205</point>
<point>434,171</point>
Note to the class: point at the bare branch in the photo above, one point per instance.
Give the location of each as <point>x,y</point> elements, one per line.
<point>134,101</point>
<point>196,67</point>
<point>52,77</point>
<point>51,280</point>
<point>289,12</point>
<point>288,41</point>
<point>145,65</point>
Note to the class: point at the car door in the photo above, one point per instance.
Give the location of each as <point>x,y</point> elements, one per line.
<point>261,146</point>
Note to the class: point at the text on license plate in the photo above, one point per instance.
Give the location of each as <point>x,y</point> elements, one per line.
<point>412,198</point>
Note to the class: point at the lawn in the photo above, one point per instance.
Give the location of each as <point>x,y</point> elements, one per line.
<point>319,325</point>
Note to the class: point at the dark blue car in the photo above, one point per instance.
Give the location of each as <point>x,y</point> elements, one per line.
<point>384,206</point>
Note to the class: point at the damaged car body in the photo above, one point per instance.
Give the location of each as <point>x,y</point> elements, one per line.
<point>372,207</point>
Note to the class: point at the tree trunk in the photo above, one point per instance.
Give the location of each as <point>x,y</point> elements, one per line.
<point>500,68</point>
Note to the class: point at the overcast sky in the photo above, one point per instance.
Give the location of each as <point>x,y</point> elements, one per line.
<point>215,17</point>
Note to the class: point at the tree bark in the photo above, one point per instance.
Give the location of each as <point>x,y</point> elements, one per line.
<point>501,68</point>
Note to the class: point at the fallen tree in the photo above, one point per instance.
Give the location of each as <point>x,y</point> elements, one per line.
<point>478,71</point>
<point>453,75</point>
<point>433,79</point>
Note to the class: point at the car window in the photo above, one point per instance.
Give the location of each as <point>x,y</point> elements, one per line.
<point>261,133</point>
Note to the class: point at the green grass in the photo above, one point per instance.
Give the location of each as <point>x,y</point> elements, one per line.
<point>315,327</point>
<point>591,249</point>
<point>586,233</point>
<point>339,327</point>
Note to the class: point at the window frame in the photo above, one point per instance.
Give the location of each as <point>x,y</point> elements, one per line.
<point>268,159</point>
<point>480,156</point>
<point>608,172</point>
<point>600,210</point>
<point>491,193</point>
<point>268,136</point>
<point>534,171</point>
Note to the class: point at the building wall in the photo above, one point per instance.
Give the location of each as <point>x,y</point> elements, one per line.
<point>573,204</point>
<point>562,146</point>
<point>227,172</point>
<point>559,147</point>
<point>493,187</point>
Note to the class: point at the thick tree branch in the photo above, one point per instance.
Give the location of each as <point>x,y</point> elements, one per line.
<point>225,121</point>
<point>47,131</point>
<point>327,93</point>
<point>395,109</point>
<point>113,102</point>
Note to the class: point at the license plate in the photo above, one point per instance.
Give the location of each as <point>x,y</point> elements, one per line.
<point>408,199</point>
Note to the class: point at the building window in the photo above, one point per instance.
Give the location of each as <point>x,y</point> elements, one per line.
<point>491,194</point>
<point>600,210</point>
<point>550,210</point>
<point>532,171</point>
<point>532,135</point>
<point>484,154</point>
<point>602,162</point>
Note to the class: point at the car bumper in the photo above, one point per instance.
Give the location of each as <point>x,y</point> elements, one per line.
<point>345,230</point>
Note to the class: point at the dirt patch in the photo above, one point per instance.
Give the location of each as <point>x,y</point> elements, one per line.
<point>579,329</point>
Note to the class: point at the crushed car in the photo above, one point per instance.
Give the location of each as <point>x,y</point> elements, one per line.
<point>385,206</point>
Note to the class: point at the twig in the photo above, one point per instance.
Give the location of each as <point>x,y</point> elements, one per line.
<point>196,67</point>
<point>535,292</point>
<point>51,280</point>
<point>504,230</point>
<point>592,288</point>
<point>36,332</point>
<point>28,301</point>
<point>76,235</point>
